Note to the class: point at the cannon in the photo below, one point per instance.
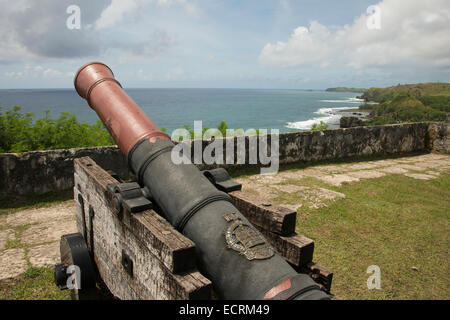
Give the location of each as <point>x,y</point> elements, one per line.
<point>230,251</point>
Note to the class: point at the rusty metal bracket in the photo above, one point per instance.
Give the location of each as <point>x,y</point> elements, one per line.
<point>221,180</point>
<point>131,197</point>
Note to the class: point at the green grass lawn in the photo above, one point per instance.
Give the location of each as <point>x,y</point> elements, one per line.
<point>394,222</point>
<point>34,284</point>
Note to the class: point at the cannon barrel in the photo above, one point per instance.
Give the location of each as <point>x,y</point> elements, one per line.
<point>230,251</point>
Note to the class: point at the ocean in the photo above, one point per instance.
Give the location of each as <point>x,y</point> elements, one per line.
<point>286,110</point>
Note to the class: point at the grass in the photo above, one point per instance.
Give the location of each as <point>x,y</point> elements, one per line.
<point>34,284</point>
<point>394,222</point>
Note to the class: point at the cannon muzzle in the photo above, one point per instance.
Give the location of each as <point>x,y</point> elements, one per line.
<point>231,252</point>
<point>126,122</point>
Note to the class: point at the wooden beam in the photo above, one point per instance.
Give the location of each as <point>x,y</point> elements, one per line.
<point>296,249</point>
<point>157,250</point>
<point>268,216</point>
<point>319,274</point>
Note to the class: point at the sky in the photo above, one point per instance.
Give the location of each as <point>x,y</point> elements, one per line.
<point>261,44</point>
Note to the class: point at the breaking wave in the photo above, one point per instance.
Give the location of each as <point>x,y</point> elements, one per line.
<point>329,116</point>
<point>350,100</point>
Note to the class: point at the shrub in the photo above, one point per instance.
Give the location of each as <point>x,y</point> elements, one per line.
<point>18,132</point>
<point>404,108</point>
<point>319,126</point>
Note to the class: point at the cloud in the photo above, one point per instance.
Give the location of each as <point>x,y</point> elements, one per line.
<point>37,29</point>
<point>121,10</point>
<point>117,11</point>
<point>38,72</point>
<point>156,44</point>
<point>188,6</point>
<point>413,34</point>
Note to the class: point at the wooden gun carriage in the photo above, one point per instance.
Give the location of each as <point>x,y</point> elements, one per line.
<point>131,252</point>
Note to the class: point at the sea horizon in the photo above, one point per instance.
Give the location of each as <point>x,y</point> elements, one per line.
<point>172,108</point>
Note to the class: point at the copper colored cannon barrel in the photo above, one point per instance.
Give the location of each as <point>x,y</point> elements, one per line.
<point>126,122</point>
<point>231,252</point>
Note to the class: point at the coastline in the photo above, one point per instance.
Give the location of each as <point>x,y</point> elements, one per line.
<point>332,115</point>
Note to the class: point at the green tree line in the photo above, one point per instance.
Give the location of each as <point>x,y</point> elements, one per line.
<point>404,108</point>
<point>19,133</point>
<point>408,103</point>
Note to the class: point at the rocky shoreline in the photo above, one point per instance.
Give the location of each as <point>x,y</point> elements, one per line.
<point>356,114</point>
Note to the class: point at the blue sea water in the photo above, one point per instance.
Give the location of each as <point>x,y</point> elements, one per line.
<point>286,110</point>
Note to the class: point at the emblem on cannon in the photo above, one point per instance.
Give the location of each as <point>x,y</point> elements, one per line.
<point>246,240</point>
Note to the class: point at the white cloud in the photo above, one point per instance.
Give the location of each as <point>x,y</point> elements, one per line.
<point>413,34</point>
<point>38,72</point>
<point>117,11</point>
<point>37,30</point>
<point>188,6</point>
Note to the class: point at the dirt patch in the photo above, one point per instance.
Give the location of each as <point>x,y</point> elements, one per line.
<point>267,179</point>
<point>12,263</point>
<point>312,197</point>
<point>410,167</point>
<point>426,165</point>
<point>326,194</point>
<point>366,174</point>
<point>300,174</point>
<point>393,170</point>
<point>313,173</point>
<point>49,231</point>
<point>290,188</point>
<point>258,189</point>
<point>62,211</point>
<point>420,176</point>
<point>338,179</point>
<point>2,219</point>
<point>334,169</point>
<point>361,166</point>
<point>5,236</point>
<point>44,255</point>
<point>39,231</point>
<point>317,197</point>
<point>384,163</point>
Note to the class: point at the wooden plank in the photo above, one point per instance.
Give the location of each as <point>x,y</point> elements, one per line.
<point>319,274</point>
<point>298,250</point>
<point>175,250</point>
<point>155,252</point>
<point>269,216</point>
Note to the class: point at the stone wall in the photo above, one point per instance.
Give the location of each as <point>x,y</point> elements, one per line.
<point>42,171</point>
<point>438,137</point>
